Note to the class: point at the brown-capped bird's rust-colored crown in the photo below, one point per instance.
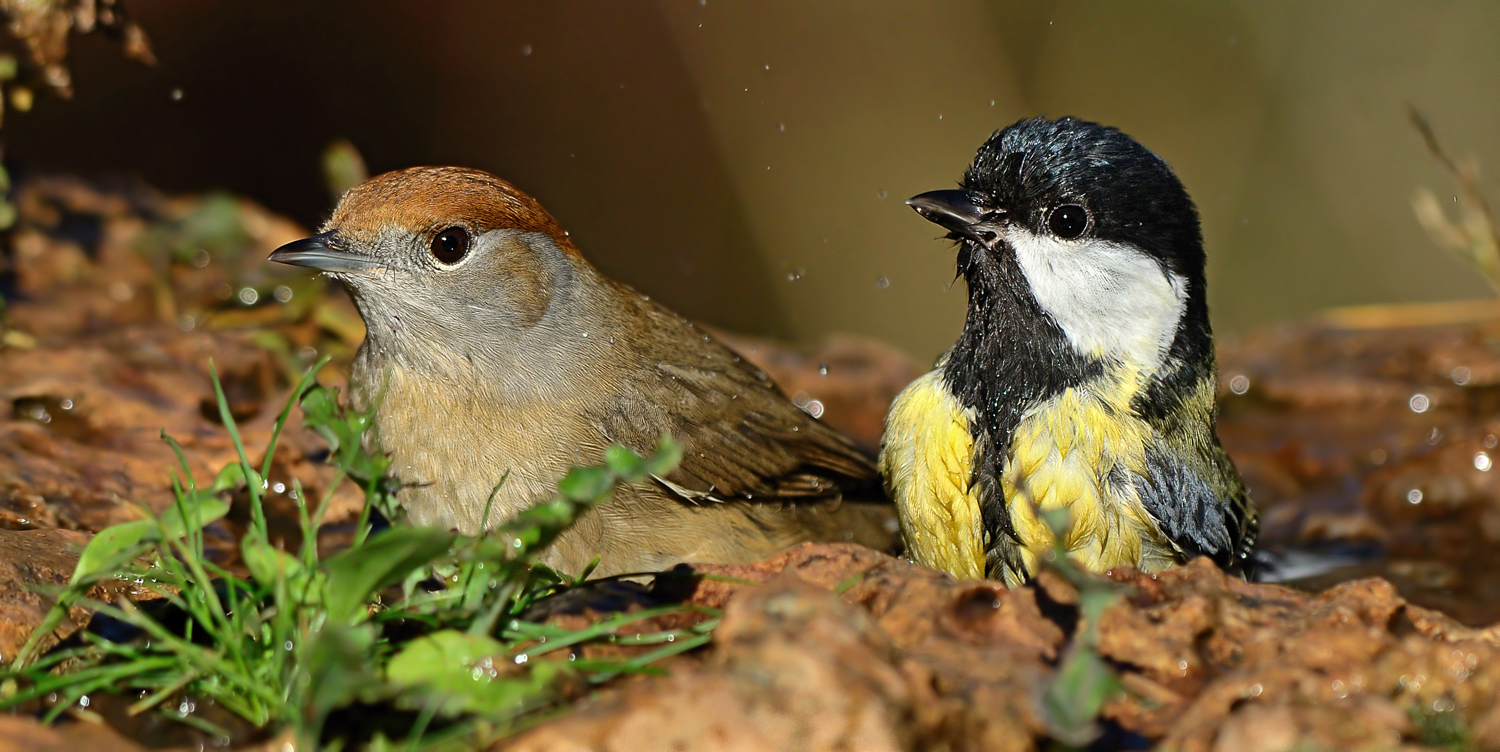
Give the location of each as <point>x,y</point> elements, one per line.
<point>429,199</point>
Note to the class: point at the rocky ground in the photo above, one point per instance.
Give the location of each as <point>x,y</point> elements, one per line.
<point>1366,436</point>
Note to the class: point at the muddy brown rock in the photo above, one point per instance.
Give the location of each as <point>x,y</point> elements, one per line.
<point>794,666</point>
<point>19,734</point>
<point>31,561</point>
<point>122,299</point>
<point>835,647</point>
<point>1375,431</point>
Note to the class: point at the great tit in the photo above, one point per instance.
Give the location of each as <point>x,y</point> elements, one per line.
<point>1084,377</point>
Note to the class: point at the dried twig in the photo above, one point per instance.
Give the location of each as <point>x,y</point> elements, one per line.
<point>1473,236</point>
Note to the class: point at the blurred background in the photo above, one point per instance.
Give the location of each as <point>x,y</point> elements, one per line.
<point>747,162</point>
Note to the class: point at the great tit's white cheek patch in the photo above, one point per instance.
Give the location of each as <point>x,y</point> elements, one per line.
<point>1110,299</point>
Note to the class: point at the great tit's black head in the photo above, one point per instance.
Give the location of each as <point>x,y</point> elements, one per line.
<point>1095,227</point>
<point>1077,180</point>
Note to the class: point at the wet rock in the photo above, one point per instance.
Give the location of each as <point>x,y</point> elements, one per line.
<point>19,734</point>
<point>30,563</point>
<point>906,658</point>
<point>119,305</point>
<point>1376,430</point>
<point>838,647</point>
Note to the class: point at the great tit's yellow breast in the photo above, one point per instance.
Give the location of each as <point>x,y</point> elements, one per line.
<point>1083,451</point>
<point>927,460</point>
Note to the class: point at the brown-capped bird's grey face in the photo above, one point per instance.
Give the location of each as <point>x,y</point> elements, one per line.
<point>453,286</point>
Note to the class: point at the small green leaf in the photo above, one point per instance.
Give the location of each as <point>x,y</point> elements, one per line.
<point>115,540</point>
<point>668,456</point>
<point>267,564</point>
<point>228,479</point>
<point>472,673</point>
<point>110,543</point>
<point>386,558</point>
<point>337,662</point>
<point>320,408</point>
<point>201,509</point>
<point>624,462</point>
<point>585,483</point>
<point>1078,692</point>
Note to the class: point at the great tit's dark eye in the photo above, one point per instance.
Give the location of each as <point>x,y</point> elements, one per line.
<point>1068,221</point>
<point>450,245</point>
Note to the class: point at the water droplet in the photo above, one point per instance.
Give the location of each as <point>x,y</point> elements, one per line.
<point>282,293</point>
<point>992,103</point>
<point>1419,403</point>
<point>121,291</point>
<point>248,295</point>
<point>611,340</point>
<point>185,323</point>
<point>525,50</point>
<point>781,127</point>
<point>1491,440</point>
<point>767,67</point>
<point>940,116</point>
<point>307,353</point>
<point>585,335</point>
<point>1378,457</point>
<point>201,258</point>
<point>880,194</point>
<point>795,274</point>
<point>881,283</point>
<point>1482,462</point>
<point>177,94</point>
<point>278,487</point>
<point>1414,496</point>
<point>1239,384</point>
<point>814,408</point>
<point>822,369</point>
<point>1461,375</point>
<point>520,659</point>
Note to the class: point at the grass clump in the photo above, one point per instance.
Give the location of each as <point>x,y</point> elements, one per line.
<point>427,626</point>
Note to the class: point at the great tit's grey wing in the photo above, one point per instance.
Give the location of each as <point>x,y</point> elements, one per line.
<point>743,439</point>
<point>1198,505</point>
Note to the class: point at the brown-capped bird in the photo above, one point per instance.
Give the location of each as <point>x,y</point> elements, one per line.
<point>494,348</point>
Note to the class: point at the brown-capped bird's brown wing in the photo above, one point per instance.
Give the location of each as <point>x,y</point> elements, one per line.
<point>742,438</point>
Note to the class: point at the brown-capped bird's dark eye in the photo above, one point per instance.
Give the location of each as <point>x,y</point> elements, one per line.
<point>1068,221</point>
<point>450,245</point>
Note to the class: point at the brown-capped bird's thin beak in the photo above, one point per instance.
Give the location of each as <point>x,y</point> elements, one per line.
<point>324,253</point>
<point>957,211</point>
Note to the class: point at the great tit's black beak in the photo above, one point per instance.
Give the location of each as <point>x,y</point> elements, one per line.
<point>323,252</point>
<point>957,211</point>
